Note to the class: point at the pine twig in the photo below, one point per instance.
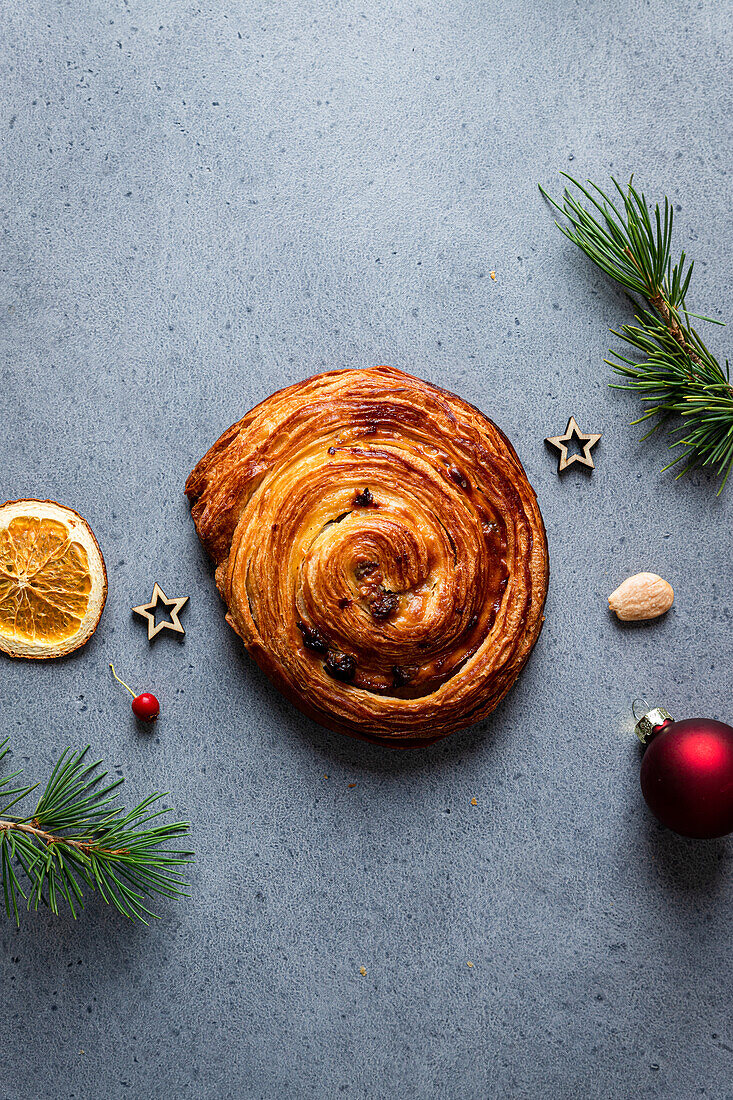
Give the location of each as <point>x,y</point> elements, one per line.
<point>676,375</point>
<point>79,835</point>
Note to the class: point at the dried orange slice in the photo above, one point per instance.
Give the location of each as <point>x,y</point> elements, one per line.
<point>53,583</point>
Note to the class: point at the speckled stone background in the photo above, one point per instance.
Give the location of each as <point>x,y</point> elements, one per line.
<point>204,202</point>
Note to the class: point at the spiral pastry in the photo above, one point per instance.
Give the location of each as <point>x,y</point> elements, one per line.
<point>380,550</point>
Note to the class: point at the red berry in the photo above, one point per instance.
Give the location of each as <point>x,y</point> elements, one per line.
<point>146,707</point>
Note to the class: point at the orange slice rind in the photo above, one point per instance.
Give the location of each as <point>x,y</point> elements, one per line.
<point>53,583</point>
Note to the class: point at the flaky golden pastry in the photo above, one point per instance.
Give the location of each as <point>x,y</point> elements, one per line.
<point>380,550</point>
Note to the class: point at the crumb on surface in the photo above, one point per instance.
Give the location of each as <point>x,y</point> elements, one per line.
<point>469,965</point>
<point>362,971</point>
<point>352,785</point>
<point>474,802</point>
<point>493,275</point>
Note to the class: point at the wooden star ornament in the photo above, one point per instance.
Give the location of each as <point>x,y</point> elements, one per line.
<point>562,442</point>
<point>173,607</point>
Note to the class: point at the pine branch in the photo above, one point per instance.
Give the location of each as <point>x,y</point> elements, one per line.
<point>78,835</point>
<point>675,374</point>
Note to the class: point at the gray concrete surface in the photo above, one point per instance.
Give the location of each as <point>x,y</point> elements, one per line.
<point>201,203</point>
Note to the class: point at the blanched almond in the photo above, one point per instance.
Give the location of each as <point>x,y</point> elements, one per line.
<point>643,596</point>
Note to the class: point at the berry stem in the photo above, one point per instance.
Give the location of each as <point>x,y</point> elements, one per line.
<point>132,693</point>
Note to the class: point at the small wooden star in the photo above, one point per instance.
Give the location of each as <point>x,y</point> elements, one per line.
<point>562,443</point>
<point>174,607</point>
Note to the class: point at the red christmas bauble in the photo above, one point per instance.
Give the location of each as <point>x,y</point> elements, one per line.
<point>687,776</point>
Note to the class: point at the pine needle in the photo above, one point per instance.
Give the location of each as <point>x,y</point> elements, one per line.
<point>79,835</point>
<point>673,371</point>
